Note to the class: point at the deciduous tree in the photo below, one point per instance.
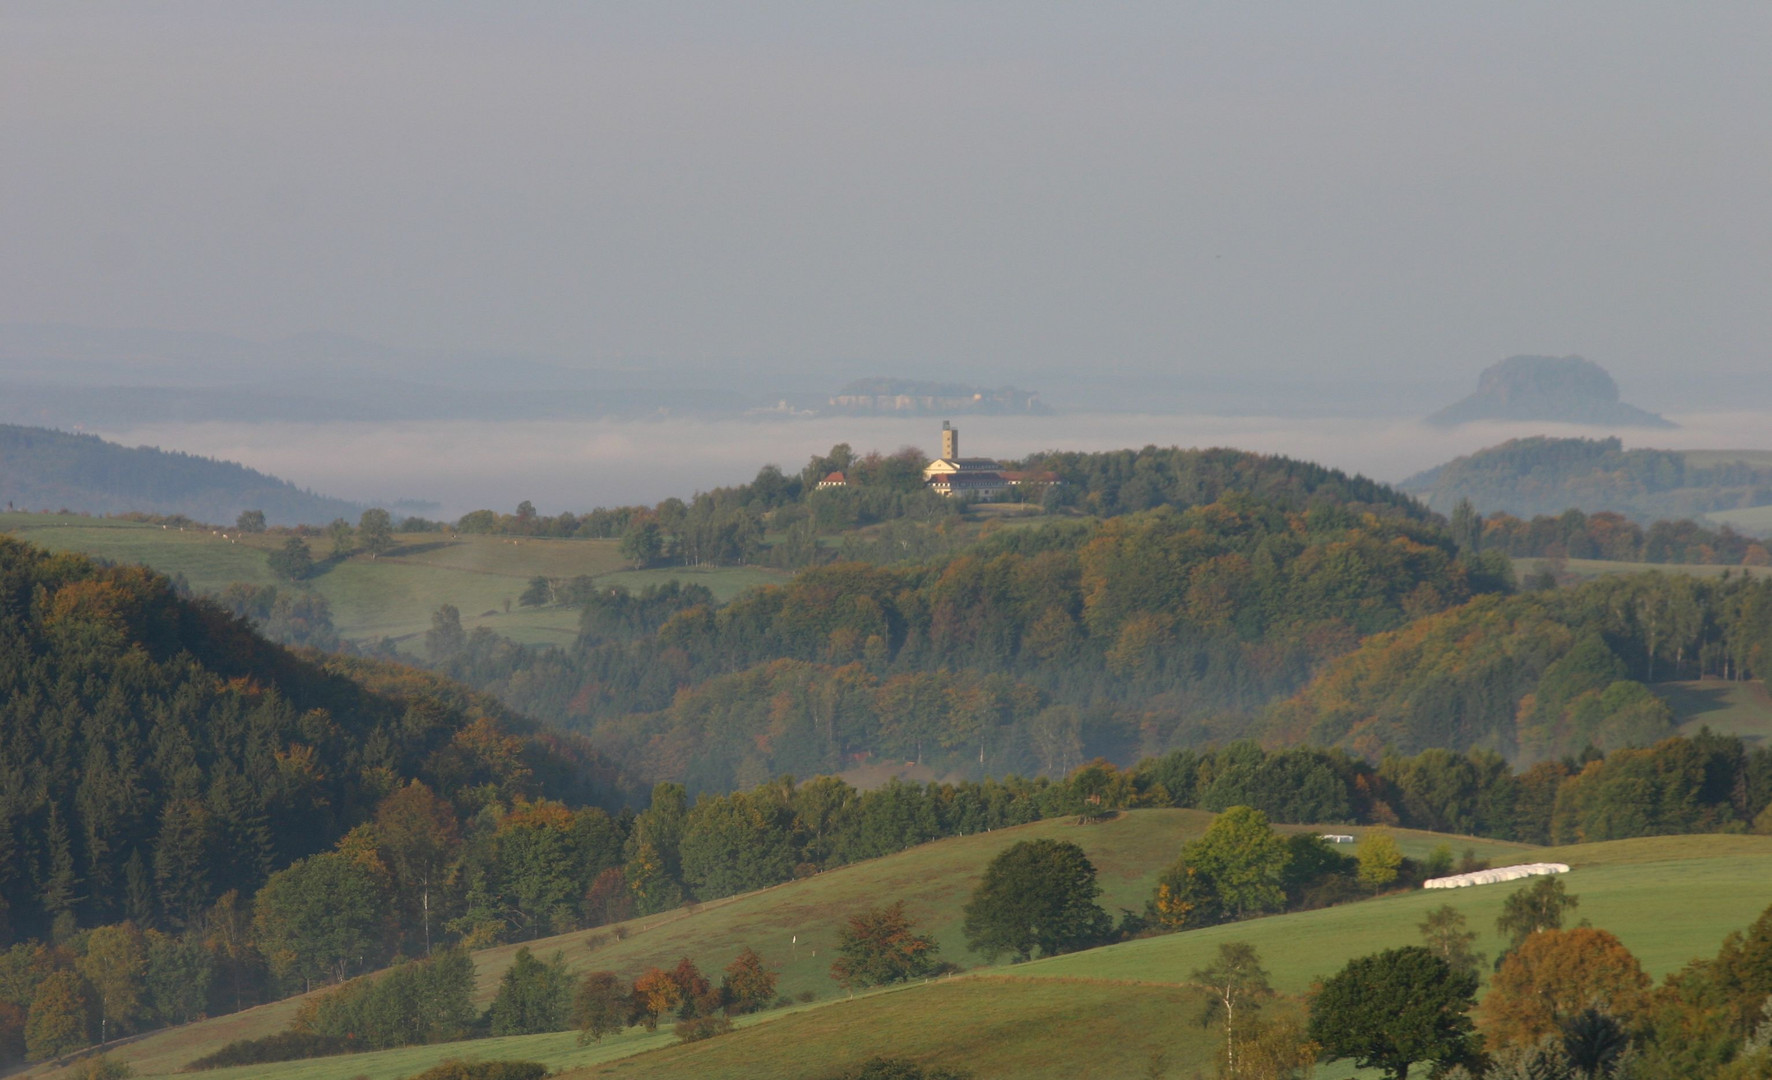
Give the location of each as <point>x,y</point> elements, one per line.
<point>880,946</point>
<point>1534,907</point>
<point>1238,986</point>
<point>1393,1009</point>
<point>600,1007</point>
<point>1037,895</point>
<point>1554,976</point>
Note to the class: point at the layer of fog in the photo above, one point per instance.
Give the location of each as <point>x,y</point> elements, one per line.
<point>562,465</point>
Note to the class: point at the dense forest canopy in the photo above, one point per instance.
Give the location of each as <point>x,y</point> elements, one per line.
<point>1033,649</point>
<point>156,753</point>
<point>1539,674</point>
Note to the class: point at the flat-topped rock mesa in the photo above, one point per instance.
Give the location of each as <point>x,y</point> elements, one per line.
<point>1558,389</point>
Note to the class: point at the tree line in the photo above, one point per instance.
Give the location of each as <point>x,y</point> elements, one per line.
<point>1606,535</point>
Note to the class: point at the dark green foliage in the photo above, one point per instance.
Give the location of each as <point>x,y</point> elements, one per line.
<point>1594,1042</point>
<point>601,1006</point>
<point>289,616</point>
<point>55,468</point>
<point>1036,896</point>
<point>537,593</point>
<point>283,1046</point>
<point>484,1070</point>
<point>321,918</point>
<point>1395,1008</point>
<point>293,561</point>
<point>702,1027</point>
<point>375,532</point>
<point>415,1002</point>
<point>534,996</point>
<point>155,753</point>
<point>884,1068</point>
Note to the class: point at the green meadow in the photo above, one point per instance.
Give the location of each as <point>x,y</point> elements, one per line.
<point>1668,898</point>
<point>394,595</point>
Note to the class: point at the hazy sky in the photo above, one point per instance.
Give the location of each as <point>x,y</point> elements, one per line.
<point>996,190</point>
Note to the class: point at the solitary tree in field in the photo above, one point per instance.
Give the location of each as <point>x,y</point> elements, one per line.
<point>1238,986</point>
<point>748,985</point>
<point>343,537</point>
<point>1535,907</point>
<point>250,521</point>
<point>293,560</point>
<point>1395,1008</point>
<point>600,1007</point>
<point>880,946</point>
<point>375,529</point>
<point>1445,933</point>
<point>1036,895</point>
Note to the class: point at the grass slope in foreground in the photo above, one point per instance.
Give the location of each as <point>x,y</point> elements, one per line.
<point>1668,898</point>
<point>935,880</point>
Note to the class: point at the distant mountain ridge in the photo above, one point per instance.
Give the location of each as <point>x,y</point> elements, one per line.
<point>1543,475</point>
<point>1559,389</point>
<point>44,469</point>
<point>915,397</point>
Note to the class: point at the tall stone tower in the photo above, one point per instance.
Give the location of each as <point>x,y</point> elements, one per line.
<point>950,442</point>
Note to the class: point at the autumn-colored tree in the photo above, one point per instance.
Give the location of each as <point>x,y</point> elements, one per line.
<point>655,994</point>
<point>1238,986</point>
<point>61,1016</point>
<point>880,946</point>
<point>116,966</point>
<point>1379,858</point>
<point>601,1006</point>
<point>697,994</point>
<point>1534,907</point>
<point>1744,972</point>
<point>748,986</point>
<point>1554,976</point>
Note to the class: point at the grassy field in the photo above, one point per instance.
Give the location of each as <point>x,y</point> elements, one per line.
<point>394,595</point>
<point>1101,1013</point>
<point>1743,709</point>
<point>934,880</point>
<point>1754,520</point>
<point>1668,899</point>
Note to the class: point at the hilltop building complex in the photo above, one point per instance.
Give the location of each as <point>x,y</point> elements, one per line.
<point>953,475</point>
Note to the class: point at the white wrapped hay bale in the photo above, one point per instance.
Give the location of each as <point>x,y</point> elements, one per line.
<point>1499,873</point>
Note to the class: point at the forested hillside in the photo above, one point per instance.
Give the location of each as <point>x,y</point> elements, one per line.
<point>1543,475</point>
<point>1539,674</point>
<point>156,754</point>
<point>1037,648</point>
<point>41,469</point>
